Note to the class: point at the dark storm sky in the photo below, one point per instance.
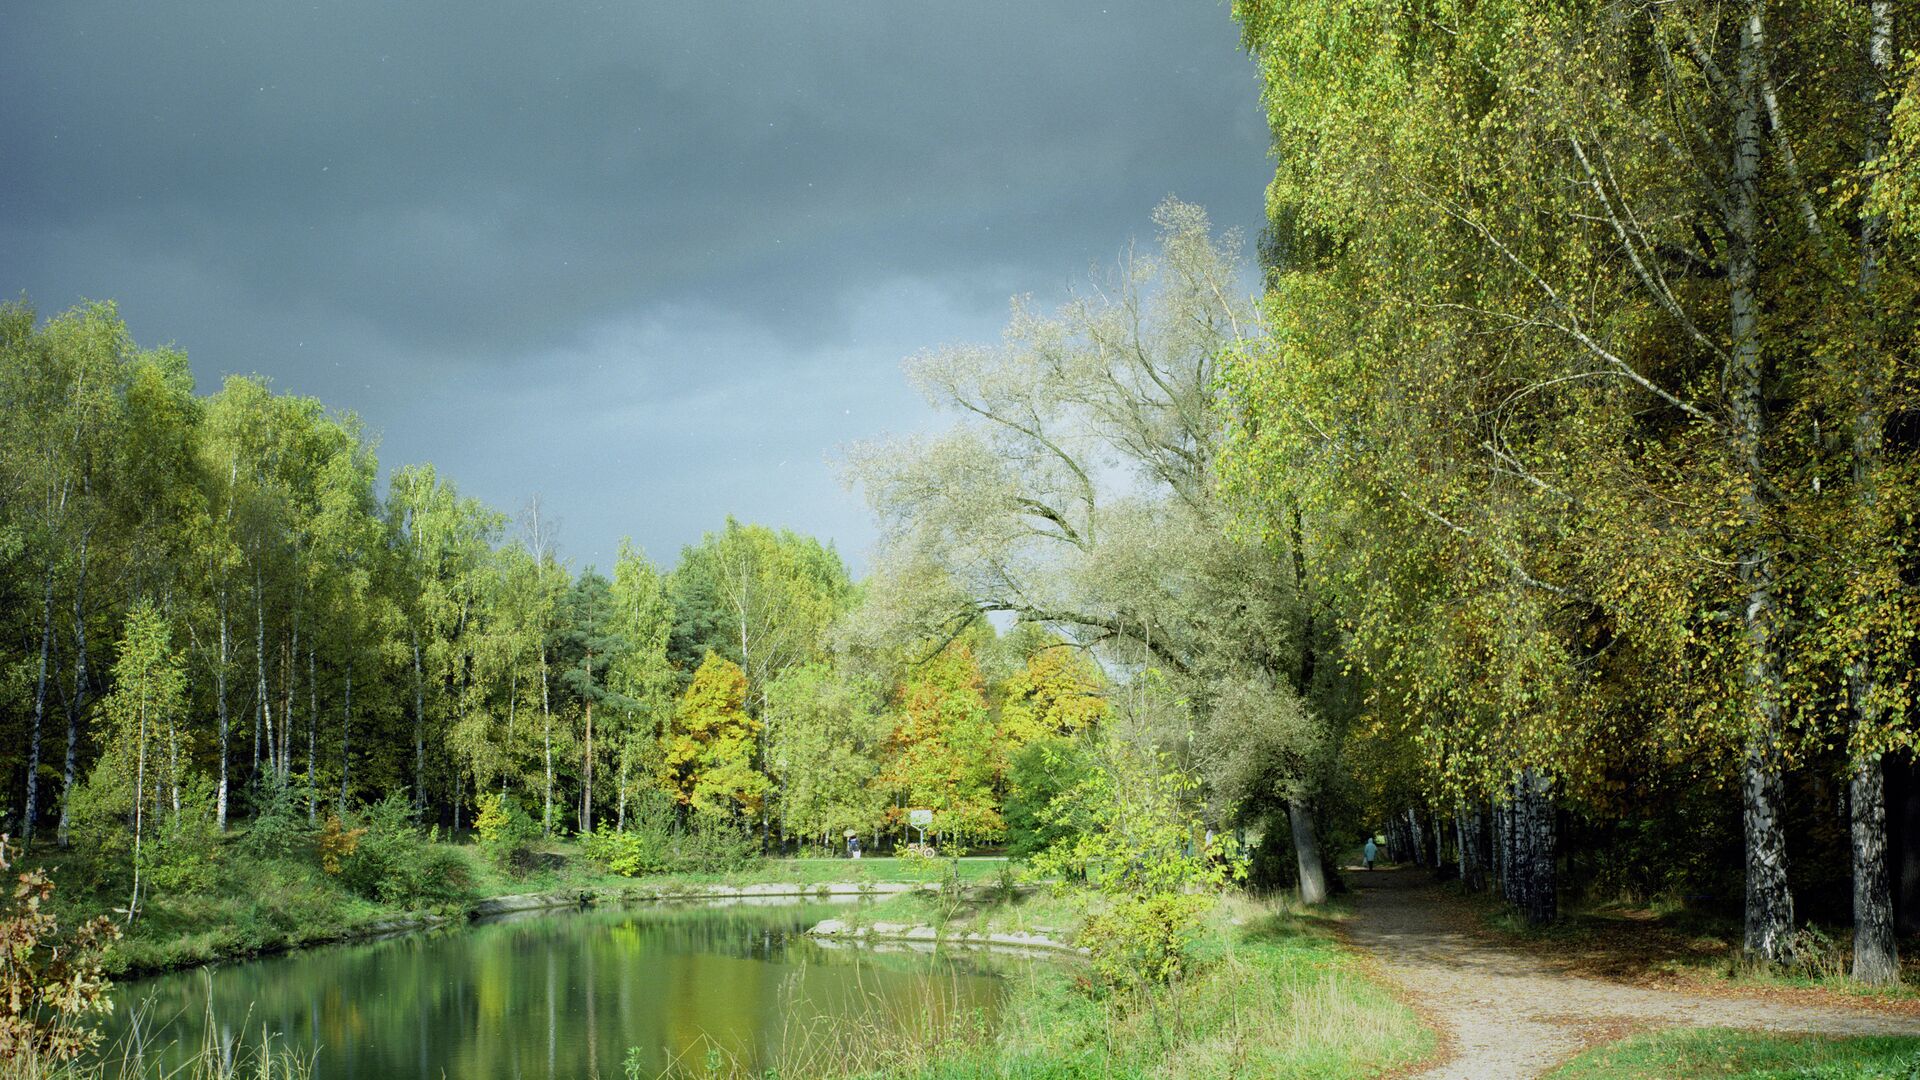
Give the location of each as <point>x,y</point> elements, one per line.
<point>653,261</point>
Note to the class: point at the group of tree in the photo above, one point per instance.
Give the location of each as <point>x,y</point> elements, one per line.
<point>1560,481</point>
<point>1589,363</point>
<point>210,607</point>
<point>1079,489</point>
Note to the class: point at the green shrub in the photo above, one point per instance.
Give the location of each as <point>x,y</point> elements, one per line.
<point>280,828</point>
<point>1040,772</point>
<point>394,862</point>
<point>704,844</point>
<point>507,833</point>
<point>183,852</point>
<point>629,853</point>
<point>712,844</point>
<point>1145,941</point>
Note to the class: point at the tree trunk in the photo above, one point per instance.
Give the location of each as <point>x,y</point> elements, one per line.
<point>620,822</point>
<point>546,720</point>
<point>1502,864</point>
<point>586,790</point>
<point>1473,861</point>
<point>1876,959</point>
<point>39,710</point>
<point>220,708</point>
<point>419,732</point>
<point>1535,843</point>
<point>513,703</point>
<point>289,682</point>
<point>139,810</point>
<point>313,728</point>
<point>78,705</point>
<point>1769,905</point>
<point>346,730</point>
<point>1306,853</point>
<point>263,709</point>
<point>173,767</point>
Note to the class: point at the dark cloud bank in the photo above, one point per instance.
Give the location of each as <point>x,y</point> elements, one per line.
<point>653,261</point>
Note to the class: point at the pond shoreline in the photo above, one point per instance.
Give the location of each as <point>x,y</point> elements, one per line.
<point>488,907</point>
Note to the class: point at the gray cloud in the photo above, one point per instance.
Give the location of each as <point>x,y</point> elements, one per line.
<point>652,260</point>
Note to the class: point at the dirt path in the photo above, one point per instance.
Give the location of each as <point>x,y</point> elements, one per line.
<point>1504,1013</point>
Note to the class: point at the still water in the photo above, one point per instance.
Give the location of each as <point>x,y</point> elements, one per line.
<point>566,994</point>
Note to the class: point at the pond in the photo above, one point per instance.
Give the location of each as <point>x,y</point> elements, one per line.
<point>566,994</point>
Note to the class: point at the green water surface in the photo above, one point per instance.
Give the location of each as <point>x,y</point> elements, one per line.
<point>562,994</point>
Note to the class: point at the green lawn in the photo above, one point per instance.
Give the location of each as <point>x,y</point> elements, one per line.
<point>1682,1054</point>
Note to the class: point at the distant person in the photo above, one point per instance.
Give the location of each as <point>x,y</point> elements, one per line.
<point>853,846</point>
<point>1369,851</point>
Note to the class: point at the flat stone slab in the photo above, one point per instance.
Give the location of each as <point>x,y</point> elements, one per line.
<point>840,930</point>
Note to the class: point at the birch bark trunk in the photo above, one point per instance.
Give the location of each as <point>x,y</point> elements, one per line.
<point>77,706</point>
<point>1876,958</point>
<point>39,711</point>
<point>346,731</point>
<point>220,708</point>
<point>1769,905</point>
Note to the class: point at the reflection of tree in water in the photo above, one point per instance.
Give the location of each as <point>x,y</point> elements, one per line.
<point>566,994</point>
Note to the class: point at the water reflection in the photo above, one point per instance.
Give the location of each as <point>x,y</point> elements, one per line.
<point>561,994</point>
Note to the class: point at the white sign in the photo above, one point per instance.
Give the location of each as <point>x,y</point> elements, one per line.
<point>920,819</point>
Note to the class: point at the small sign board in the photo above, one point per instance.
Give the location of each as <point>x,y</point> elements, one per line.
<point>920,819</point>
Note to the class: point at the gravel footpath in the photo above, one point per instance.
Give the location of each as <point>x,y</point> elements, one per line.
<point>1504,1013</point>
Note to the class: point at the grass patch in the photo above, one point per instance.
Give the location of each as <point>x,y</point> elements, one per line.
<point>1271,994</point>
<point>1744,1055</point>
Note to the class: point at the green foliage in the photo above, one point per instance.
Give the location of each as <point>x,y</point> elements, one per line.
<point>831,733</point>
<point>507,833</point>
<point>279,828</point>
<point>1042,772</point>
<point>631,852</point>
<point>709,753</point>
<point>657,841</point>
<point>184,853</point>
<point>1146,940</point>
<point>943,754</point>
<point>1130,826</point>
<point>758,597</point>
<point>395,863</point>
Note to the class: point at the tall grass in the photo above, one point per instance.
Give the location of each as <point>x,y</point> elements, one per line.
<point>142,1054</point>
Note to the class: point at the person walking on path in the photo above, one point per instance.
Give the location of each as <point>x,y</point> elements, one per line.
<point>1369,851</point>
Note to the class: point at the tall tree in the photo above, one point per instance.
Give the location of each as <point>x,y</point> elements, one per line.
<point>593,645</point>
<point>707,762</point>
<point>641,675</point>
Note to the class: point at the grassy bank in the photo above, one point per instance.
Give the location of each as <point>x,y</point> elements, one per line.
<point>1270,993</point>
<point>1745,1055</point>
<point>246,904</point>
